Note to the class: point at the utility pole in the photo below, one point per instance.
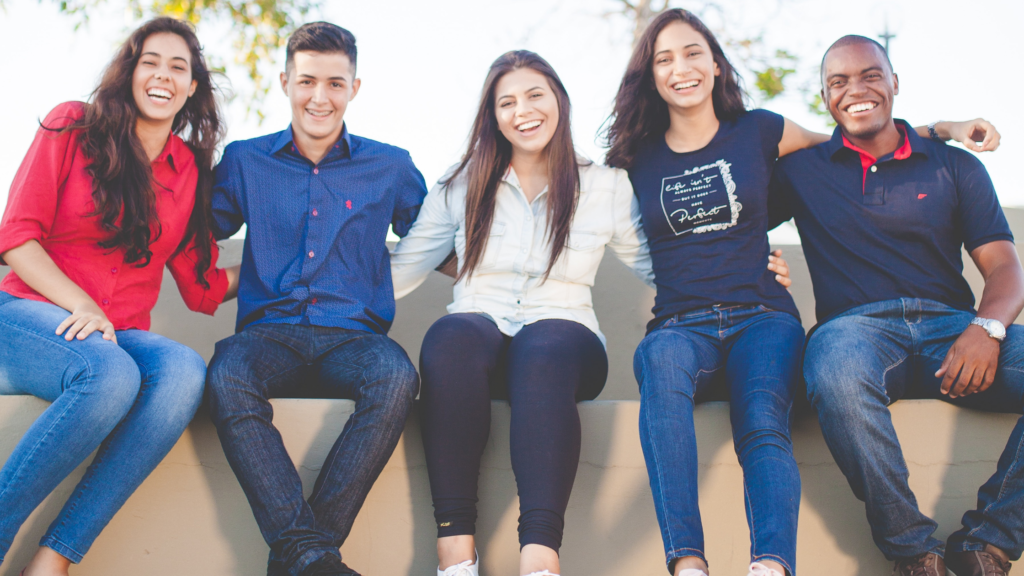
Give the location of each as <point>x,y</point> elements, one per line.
<point>886,36</point>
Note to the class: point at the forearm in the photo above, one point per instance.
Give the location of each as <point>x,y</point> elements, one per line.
<point>1003,298</point>
<point>33,265</point>
<point>232,274</point>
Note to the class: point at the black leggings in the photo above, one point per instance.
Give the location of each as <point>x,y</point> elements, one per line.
<point>543,371</point>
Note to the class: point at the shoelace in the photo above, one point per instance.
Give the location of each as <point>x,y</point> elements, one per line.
<point>917,566</point>
<point>462,569</point>
<point>993,563</point>
<point>758,569</point>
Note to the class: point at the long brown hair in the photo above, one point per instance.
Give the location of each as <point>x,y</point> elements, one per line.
<point>120,168</point>
<point>489,154</point>
<point>639,110</point>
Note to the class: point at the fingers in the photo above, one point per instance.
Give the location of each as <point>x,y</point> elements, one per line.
<point>66,324</point>
<point>977,379</point>
<point>109,333</point>
<point>963,381</point>
<point>945,371</point>
<point>983,130</point>
<point>79,324</point>
<point>992,137</point>
<point>90,327</point>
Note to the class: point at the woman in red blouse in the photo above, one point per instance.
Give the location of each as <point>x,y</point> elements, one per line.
<point>107,195</point>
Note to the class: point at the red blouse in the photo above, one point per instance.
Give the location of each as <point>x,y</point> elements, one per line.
<point>51,202</point>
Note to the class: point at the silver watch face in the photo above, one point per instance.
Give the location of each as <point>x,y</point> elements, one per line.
<point>994,328</point>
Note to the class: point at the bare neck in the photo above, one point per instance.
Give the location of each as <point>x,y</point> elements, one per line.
<point>532,170</point>
<point>153,136</point>
<point>691,128</point>
<point>880,143</point>
<point>315,149</point>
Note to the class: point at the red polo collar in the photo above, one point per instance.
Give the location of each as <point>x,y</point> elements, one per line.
<point>867,160</point>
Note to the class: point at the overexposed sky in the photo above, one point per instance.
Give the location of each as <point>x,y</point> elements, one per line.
<point>422,65</point>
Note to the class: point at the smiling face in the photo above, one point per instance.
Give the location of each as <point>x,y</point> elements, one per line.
<point>684,67</point>
<point>859,88</point>
<point>162,80</point>
<point>526,109</point>
<point>319,85</point>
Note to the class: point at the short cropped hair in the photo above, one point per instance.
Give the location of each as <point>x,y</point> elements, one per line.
<point>321,37</point>
<point>851,39</point>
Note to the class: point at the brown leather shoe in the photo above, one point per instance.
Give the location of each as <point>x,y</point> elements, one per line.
<point>977,563</point>
<point>928,564</point>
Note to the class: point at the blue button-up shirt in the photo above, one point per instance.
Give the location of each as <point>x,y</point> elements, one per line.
<point>314,246</point>
<point>892,231</point>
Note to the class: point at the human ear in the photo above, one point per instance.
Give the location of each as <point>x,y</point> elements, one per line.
<point>192,88</point>
<point>895,84</point>
<point>284,82</point>
<point>355,88</point>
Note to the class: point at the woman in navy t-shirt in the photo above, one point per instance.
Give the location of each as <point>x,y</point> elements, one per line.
<point>700,164</point>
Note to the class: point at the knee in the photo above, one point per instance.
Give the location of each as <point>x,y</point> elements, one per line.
<point>457,338</point>
<point>665,361</point>
<point>836,374</point>
<point>225,389</point>
<point>183,376</point>
<point>392,379</point>
<point>112,374</point>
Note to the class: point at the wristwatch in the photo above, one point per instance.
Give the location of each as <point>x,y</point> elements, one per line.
<point>994,328</point>
<point>935,136</point>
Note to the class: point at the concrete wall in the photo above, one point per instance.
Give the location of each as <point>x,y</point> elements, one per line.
<point>190,516</point>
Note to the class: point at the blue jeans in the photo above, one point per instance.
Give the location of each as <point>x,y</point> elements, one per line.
<point>755,354</point>
<point>871,356</point>
<point>131,400</point>
<point>283,360</point>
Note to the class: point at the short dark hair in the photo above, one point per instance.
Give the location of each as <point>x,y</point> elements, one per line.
<point>851,39</point>
<point>321,37</point>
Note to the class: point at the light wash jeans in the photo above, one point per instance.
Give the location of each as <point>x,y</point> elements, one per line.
<point>863,360</point>
<point>131,400</point>
<point>754,354</point>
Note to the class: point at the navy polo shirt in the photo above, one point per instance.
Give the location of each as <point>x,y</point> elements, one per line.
<point>705,214</point>
<point>314,245</point>
<point>891,230</point>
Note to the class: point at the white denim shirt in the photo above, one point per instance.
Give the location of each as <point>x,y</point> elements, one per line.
<point>508,283</point>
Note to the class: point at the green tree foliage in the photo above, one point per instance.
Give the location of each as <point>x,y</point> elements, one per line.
<point>259,28</point>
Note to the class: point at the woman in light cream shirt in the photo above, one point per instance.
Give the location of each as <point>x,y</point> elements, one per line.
<point>529,222</point>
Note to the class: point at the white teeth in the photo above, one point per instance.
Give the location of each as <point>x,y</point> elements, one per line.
<point>684,85</point>
<point>861,107</point>
<point>159,93</point>
<point>319,114</point>
<point>528,125</point>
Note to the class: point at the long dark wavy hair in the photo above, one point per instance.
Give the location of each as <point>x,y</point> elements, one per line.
<point>489,154</point>
<point>639,110</point>
<point>122,176</point>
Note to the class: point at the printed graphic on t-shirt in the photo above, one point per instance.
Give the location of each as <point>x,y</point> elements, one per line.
<point>701,199</point>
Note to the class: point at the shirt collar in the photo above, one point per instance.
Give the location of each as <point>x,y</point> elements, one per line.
<point>285,141</point>
<point>912,143</point>
<point>172,153</point>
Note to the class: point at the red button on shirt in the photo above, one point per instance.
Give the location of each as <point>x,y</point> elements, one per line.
<point>315,213</point>
<point>316,170</point>
<point>313,301</point>
<point>51,202</point>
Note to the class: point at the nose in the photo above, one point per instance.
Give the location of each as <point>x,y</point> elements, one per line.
<point>319,93</point>
<point>681,66</point>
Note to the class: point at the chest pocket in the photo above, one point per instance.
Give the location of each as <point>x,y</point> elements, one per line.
<point>579,260</point>
<point>492,251</point>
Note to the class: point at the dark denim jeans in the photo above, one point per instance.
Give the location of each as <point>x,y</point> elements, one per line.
<point>871,356</point>
<point>129,401</point>
<point>283,360</point>
<point>755,354</point>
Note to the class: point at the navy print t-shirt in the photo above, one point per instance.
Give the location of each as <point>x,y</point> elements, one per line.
<point>706,217</point>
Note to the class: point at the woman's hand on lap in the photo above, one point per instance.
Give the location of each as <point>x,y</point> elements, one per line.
<point>85,319</point>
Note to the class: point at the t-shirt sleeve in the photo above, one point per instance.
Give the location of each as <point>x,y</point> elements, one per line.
<point>770,125</point>
<point>981,217</point>
<point>412,189</point>
<point>35,192</point>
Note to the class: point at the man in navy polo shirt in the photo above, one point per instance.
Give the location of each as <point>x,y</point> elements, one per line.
<point>315,303</point>
<point>882,215</point>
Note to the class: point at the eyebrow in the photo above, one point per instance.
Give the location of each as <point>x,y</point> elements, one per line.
<point>864,71</point>
<point>684,48</point>
<point>158,56</point>
<point>342,78</point>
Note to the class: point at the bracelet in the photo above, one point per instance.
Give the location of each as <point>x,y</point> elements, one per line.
<point>933,134</point>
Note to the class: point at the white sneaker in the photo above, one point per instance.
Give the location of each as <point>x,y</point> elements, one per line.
<point>542,573</point>
<point>467,568</point>
<point>693,572</point>
<point>758,569</point>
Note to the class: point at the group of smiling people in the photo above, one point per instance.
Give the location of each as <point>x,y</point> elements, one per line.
<point>112,191</point>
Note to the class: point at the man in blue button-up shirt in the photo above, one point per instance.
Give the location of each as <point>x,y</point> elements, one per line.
<point>315,303</point>
<point>883,215</point>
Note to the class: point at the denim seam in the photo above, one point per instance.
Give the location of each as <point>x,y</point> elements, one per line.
<point>750,512</point>
<point>657,463</point>
<point>1002,488</point>
<point>59,418</point>
<point>677,553</point>
<point>886,373</point>
<point>49,541</point>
